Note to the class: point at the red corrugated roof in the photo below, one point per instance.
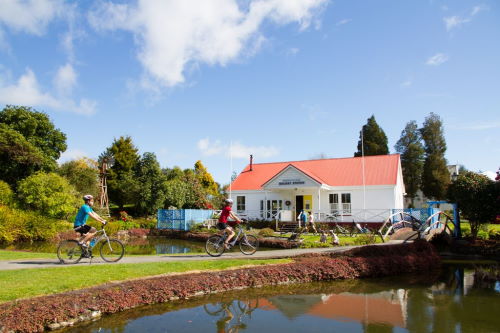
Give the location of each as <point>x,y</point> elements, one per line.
<point>379,170</point>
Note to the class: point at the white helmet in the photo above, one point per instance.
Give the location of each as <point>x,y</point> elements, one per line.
<point>229,201</point>
<point>88,197</point>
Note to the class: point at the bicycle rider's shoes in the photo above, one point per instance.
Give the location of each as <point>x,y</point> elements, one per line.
<point>227,246</point>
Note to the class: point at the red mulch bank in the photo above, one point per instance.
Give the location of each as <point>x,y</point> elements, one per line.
<point>55,311</point>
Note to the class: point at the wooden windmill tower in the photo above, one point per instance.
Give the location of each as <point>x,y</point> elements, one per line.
<point>103,200</point>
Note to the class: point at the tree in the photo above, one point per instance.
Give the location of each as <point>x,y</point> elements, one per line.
<point>49,194</point>
<point>477,197</point>
<point>82,174</point>
<point>374,139</point>
<point>205,178</point>
<point>6,194</point>
<point>18,157</point>
<point>36,128</point>
<point>123,186</point>
<point>152,190</point>
<point>435,176</point>
<point>412,158</point>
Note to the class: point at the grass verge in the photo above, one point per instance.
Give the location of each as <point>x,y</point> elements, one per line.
<point>25,283</point>
<point>13,255</point>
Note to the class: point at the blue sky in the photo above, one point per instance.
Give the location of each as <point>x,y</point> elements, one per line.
<point>281,79</point>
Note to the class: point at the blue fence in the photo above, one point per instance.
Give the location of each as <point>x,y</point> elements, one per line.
<point>421,214</point>
<point>182,219</point>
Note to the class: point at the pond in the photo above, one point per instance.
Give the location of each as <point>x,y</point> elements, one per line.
<point>455,299</point>
<point>138,246</point>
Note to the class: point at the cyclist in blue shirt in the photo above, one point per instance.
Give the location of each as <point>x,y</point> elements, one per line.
<point>80,225</point>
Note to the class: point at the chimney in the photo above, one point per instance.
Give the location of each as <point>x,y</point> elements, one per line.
<point>251,162</point>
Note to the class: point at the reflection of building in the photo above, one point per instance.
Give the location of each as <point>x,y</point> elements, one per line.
<point>388,307</point>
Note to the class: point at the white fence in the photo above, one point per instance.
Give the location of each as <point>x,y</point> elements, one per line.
<point>348,215</point>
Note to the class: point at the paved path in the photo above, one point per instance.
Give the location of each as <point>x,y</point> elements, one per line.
<point>47,263</point>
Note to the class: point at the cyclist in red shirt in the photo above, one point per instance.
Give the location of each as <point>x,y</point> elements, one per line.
<point>226,225</point>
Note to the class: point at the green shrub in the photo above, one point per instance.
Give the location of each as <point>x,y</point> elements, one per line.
<point>266,232</point>
<point>17,225</point>
<point>260,224</point>
<point>49,194</point>
<point>365,239</point>
<point>494,235</point>
<point>6,194</point>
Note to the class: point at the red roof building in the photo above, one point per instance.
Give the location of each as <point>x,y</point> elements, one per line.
<point>350,187</point>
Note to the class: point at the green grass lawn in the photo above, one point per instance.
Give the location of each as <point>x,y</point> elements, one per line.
<point>13,255</point>
<point>25,283</point>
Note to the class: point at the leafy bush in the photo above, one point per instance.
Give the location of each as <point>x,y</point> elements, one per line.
<point>6,195</point>
<point>494,235</point>
<point>260,224</point>
<point>49,194</point>
<point>266,232</point>
<point>365,239</point>
<point>17,225</point>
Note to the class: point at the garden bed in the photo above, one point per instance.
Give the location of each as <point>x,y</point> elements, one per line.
<point>56,311</point>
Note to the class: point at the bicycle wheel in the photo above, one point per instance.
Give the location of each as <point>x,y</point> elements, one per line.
<point>69,252</point>
<point>215,246</point>
<point>248,244</point>
<point>111,250</point>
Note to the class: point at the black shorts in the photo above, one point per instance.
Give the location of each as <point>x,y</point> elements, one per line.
<point>222,226</point>
<point>83,229</point>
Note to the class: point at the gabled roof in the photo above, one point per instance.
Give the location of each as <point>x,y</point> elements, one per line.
<point>379,170</point>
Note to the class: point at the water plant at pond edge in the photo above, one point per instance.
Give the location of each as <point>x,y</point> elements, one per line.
<point>371,261</point>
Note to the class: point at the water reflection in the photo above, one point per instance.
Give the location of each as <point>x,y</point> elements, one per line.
<point>453,300</point>
<point>137,246</point>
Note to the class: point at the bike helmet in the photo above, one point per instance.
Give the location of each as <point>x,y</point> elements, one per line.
<point>88,197</point>
<point>228,201</point>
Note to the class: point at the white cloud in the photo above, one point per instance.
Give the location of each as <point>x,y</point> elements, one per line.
<point>407,83</point>
<point>26,91</point>
<point>342,22</point>
<point>438,59</point>
<point>454,22</point>
<point>65,79</point>
<point>292,51</point>
<point>71,154</point>
<point>479,126</point>
<point>490,174</point>
<point>477,9</point>
<point>210,148</point>
<point>30,16</point>
<point>314,112</point>
<point>236,149</point>
<point>175,35</point>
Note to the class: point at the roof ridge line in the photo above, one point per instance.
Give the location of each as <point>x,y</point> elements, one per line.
<point>323,159</point>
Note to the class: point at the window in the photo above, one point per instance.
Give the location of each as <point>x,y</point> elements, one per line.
<point>333,199</point>
<point>240,203</point>
<point>346,203</point>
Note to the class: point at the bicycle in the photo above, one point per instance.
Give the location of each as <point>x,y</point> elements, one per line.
<point>110,250</point>
<point>248,243</point>
<point>333,217</point>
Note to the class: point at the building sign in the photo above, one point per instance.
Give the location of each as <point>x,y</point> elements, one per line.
<point>295,181</point>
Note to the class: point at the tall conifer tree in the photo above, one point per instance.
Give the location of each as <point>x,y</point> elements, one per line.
<point>412,158</point>
<point>123,185</point>
<point>374,139</point>
<point>435,176</point>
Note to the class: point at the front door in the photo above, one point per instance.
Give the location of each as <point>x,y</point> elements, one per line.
<point>308,203</point>
<point>299,205</point>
